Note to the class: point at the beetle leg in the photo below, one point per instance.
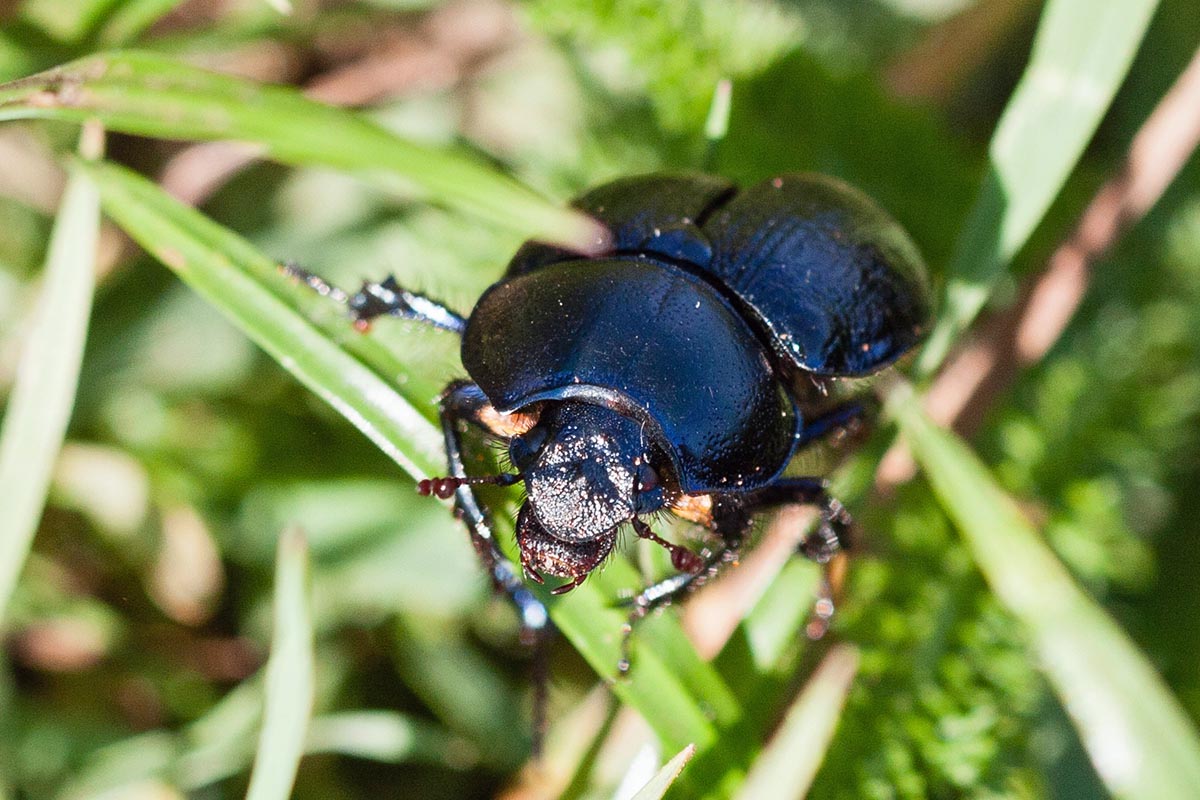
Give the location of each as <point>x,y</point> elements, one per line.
<point>386,298</point>
<point>832,534</point>
<point>838,417</point>
<point>462,401</point>
<point>825,545</point>
<point>731,525</point>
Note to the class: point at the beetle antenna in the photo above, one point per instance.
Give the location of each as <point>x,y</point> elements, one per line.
<point>446,487</point>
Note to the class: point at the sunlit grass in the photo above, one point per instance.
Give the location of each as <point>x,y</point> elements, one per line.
<point>1138,738</point>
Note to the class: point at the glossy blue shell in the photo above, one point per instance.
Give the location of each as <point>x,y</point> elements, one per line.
<point>837,284</point>
<point>707,294</point>
<point>651,340</point>
<point>829,279</point>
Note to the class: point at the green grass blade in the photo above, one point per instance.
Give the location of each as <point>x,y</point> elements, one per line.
<point>44,391</point>
<point>1138,738</point>
<point>1081,54</point>
<point>221,744</point>
<point>223,268</point>
<point>289,682</point>
<point>153,95</point>
<point>129,19</point>
<point>662,780</point>
<point>788,764</point>
<point>678,694</point>
<point>387,737</point>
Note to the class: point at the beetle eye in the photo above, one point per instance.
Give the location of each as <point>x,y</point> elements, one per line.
<point>647,478</point>
<point>522,449</point>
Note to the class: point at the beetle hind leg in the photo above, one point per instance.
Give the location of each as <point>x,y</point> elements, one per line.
<point>385,298</point>
<point>826,544</point>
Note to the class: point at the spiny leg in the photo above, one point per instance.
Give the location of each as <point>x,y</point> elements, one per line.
<point>832,533</point>
<point>385,298</point>
<point>731,521</point>
<point>465,401</point>
<point>460,401</point>
<point>731,526</point>
<point>823,545</point>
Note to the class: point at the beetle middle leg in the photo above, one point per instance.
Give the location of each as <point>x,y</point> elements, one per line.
<point>731,522</point>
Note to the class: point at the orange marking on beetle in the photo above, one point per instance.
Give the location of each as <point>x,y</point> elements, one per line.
<point>694,508</point>
<point>509,425</point>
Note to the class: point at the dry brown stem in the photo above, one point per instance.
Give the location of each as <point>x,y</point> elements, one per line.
<point>1013,340</point>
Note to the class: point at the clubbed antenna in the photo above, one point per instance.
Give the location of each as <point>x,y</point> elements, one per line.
<point>446,487</point>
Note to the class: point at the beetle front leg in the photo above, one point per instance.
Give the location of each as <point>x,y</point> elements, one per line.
<point>460,402</point>
<point>465,402</point>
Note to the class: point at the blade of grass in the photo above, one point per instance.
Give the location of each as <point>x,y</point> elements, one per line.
<point>461,687</point>
<point>787,766</point>
<point>126,21</point>
<point>289,679</point>
<point>154,95</point>
<point>221,744</point>
<point>47,375</point>
<point>204,255</point>
<point>389,738</point>
<point>1080,57</point>
<point>679,695</point>
<point>662,780</point>
<point>1137,736</point>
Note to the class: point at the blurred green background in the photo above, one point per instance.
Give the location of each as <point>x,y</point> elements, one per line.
<point>134,639</point>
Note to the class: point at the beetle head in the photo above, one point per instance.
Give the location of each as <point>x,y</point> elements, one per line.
<point>586,471</point>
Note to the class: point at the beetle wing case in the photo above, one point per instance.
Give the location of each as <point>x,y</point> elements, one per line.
<point>651,340</point>
<point>656,215</point>
<point>835,281</point>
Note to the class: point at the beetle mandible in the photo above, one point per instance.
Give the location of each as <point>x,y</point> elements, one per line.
<point>669,372</point>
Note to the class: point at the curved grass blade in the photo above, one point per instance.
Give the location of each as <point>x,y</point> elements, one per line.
<point>789,763</point>
<point>227,271</point>
<point>221,744</point>
<point>289,676</point>
<point>47,375</point>
<point>1138,738</point>
<point>1081,55</point>
<point>154,95</point>
<point>662,780</point>
<point>682,697</point>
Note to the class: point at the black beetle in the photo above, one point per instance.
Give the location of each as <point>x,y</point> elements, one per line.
<point>673,371</point>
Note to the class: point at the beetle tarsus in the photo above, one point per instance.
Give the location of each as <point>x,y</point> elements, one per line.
<point>388,298</point>
<point>378,299</point>
<point>313,281</point>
